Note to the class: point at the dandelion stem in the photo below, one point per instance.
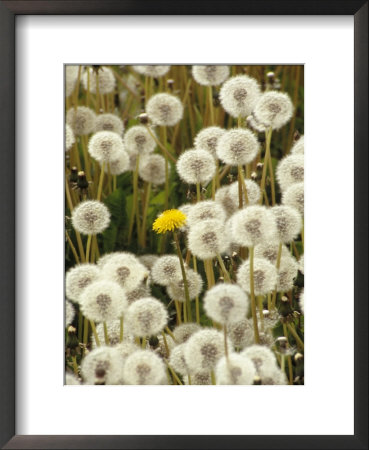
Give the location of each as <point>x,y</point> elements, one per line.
<point>88,247</point>
<point>198,194</point>
<point>295,335</point>
<point>211,105</point>
<point>106,336</point>
<point>224,270</point>
<point>134,200</point>
<point>75,365</point>
<point>143,343</point>
<point>73,248</point>
<point>278,264</point>
<point>197,297</point>
<point>185,285</point>
<point>85,332</point>
<point>97,340</point>
<point>289,361</point>
<point>99,190</point>
<point>165,151</point>
<point>261,315</point>
<point>165,344</point>
<point>243,184</point>
<point>166,200</point>
<point>167,329</point>
<point>175,376</point>
<point>144,216</point>
<point>178,309</point>
<point>268,138</point>
<point>252,293</point>
<point>212,376</point>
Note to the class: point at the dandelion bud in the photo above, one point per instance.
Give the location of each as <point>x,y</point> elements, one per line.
<point>177,360</point>
<point>152,169</point>
<point>207,239</point>
<point>166,270</point>
<point>294,196</point>
<point>282,342</point>
<point>184,331</point>
<point>290,170</point>
<point>176,289</point>
<point>125,269</point>
<point>204,349</point>
<point>144,367</point>
<point>210,75</point>
<point>73,177</point>
<point>105,146</point>
<point>164,109</point>
<point>286,274</point>
<point>235,370</point>
<point>273,109</point>
<point>82,120</point>
<point>207,139</point>
<point>78,278</point>
<point>253,193</point>
<point>298,147</point>
<point>109,122</point>
<point>146,317</point>
<point>239,95</point>
<point>257,380</point>
<point>103,300</point>
<point>265,276</point>
<point>241,333</point>
<point>106,80</point>
<point>152,71</point>
<point>237,147</point>
<point>143,118</point>
<point>69,137</point>
<point>90,217</point>
<point>226,303</point>
<point>170,84</point>
<point>253,225</point>
<point>254,176</point>
<point>70,312</point>
<point>196,166</point>
<point>205,210</point>
<point>71,77</point>
<point>138,140</point>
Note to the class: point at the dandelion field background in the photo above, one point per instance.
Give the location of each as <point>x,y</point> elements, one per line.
<point>184,248</point>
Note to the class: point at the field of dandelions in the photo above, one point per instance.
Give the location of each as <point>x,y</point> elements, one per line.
<point>184,234</point>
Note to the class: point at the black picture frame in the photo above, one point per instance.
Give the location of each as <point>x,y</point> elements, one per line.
<point>8,12</point>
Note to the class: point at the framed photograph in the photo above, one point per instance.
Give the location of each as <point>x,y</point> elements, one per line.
<point>156,210</point>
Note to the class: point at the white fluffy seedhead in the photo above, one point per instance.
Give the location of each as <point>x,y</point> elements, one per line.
<point>184,331</point>
<point>113,327</point>
<point>71,77</point>
<point>164,109</point>
<point>196,166</point>
<point>265,276</point>
<point>124,269</point>
<point>210,75</point>
<point>199,378</point>
<point>253,193</point>
<point>166,270</point>
<point>287,273</point>
<point>288,221</point>
<point>255,125</point>
<point>241,333</point>
<point>225,198</point>
<point>237,147</point>
<point>71,380</point>
<point>152,70</point>
<point>239,95</point>
<point>302,301</point>
<point>273,109</point>
<point>301,264</point>
<point>152,169</point>
<point>138,140</point>
<point>118,166</point>
<point>82,120</point>
<point>235,370</point>
<point>205,210</point>
<point>69,137</point>
<point>253,225</point>
<point>207,239</point>
<point>146,317</point>
<point>139,292</point>
<point>185,208</point>
<point>162,349</point>
<point>70,312</point>
<point>78,278</point>
<point>207,139</point>
<point>109,122</point>
<point>290,170</point>
<point>269,251</point>
<point>106,80</point>
<point>294,196</point>
<point>144,367</point>
<point>105,146</point>
<point>204,349</point>
<point>298,147</point>
<point>176,289</point>
<point>226,303</point>
<point>103,300</point>
<point>177,360</point>
<point>273,376</point>
<point>263,358</point>
<point>90,217</point>
<point>148,260</point>
<point>99,366</point>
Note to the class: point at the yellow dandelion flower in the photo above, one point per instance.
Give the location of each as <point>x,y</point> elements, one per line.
<point>169,220</point>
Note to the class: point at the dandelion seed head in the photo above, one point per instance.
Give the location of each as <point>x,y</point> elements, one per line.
<point>103,300</point>
<point>301,302</point>
<point>185,208</point>
<point>207,139</point>
<point>237,147</point>
<point>241,333</point>
<point>208,238</point>
<point>82,120</point>
<point>98,366</point>
<point>253,225</point>
<point>239,95</point>
<point>205,210</point>
<point>288,221</point>
<point>113,327</point>
<point>125,348</point>
<point>298,147</point>
<point>269,251</point>
<point>184,331</point>
<point>301,264</point>
<point>263,358</point>
<point>290,170</point>
<point>138,140</point>
<point>196,166</point>
<point>255,125</point>
<point>273,376</point>
<point>176,289</point>
<point>166,270</point>
<point>287,273</point>
<point>139,292</point>
<point>105,146</point>
<point>69,137</point>
<point>118,166</point>
<point>225,198</point>
<point>144,367</point>
<point>177,360</point>
<point>148,260</point>
<point>210,75</point>
<point>71,77</point>
<point>106,80</point>
<point>199,378</point>
<point>126,270</point>
<point>109,122</point>
<point>70,312</point>
<point>146,317</point>
<point>294,197</point>
<point>161,349</point>
<point>164,109</point>
<point>226,303</point>
<point>169,220</point>
<point>152,71</point>
<point>90,217</point>
<point>265,276</point>
<point>235,370</point>
<point>71,380</point>
<point>152,169</point>
<point>273,109</point>
<point>78,278</point>
<point>253,193</point>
